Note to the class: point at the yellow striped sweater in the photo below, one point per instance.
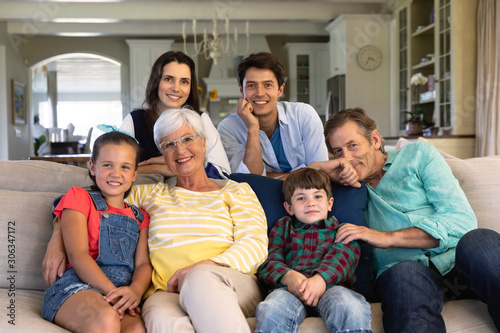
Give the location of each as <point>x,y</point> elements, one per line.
<point>227,226</point>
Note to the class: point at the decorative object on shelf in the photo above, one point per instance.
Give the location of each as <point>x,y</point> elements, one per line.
<point>215,46</point>
<point>415,124</point>
<point>369,57</point>
<point>18,103</point>
<point>431,130</point>
<point>414,127</point>
<point>210,96</point>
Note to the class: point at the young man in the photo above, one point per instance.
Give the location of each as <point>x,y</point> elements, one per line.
<point>420,225</point>
<point>308,270</point>
<point>265,136</point>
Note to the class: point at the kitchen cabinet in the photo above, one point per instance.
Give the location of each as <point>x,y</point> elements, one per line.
<point>309,65</point>
<point>438,39</point>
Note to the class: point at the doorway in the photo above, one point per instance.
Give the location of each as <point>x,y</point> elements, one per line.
<point>71,94</point>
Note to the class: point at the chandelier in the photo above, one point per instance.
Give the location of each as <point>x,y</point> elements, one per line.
<point>215,46</point>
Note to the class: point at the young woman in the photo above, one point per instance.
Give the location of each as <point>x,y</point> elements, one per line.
<point>172,84</point>
<point>106,242</point>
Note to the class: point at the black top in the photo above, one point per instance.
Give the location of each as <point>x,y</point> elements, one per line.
<point>144,135</point>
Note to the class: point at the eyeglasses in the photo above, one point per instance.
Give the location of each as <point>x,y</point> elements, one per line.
<point>185,141</point>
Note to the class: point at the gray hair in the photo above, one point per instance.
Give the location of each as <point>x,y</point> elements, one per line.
<point>173,119</point>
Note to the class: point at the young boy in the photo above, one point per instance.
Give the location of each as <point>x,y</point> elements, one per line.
<point>309,272</point>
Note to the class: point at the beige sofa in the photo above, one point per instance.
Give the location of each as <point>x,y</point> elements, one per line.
<point>27,190</point>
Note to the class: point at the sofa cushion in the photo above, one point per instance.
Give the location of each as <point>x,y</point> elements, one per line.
<point>348,206</point>
<point>268,190</point>
<point>27,315</point>
<point>32,176</point>
<point>27,222</point>
<point>480,180</point>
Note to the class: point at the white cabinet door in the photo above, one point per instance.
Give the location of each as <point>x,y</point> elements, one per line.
<point>309,69</point>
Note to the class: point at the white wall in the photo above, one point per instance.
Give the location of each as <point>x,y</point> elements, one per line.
<point>368,89</point>
<point>4,139</point>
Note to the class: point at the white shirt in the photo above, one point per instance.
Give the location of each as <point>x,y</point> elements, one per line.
<point>301,133</point>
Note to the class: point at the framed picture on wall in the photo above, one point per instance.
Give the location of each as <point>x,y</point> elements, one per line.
<point>18,103</point>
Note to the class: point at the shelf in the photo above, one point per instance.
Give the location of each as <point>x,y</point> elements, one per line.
<point>427,101</point>
<point>425,31</point>
<point>424,64</point>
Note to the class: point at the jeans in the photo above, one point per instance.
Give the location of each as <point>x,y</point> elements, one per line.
<point>413,295</point>
<point>343,310</point>
<point>478,265</point>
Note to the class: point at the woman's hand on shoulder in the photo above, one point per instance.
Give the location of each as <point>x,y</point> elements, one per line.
<point>153,160</point>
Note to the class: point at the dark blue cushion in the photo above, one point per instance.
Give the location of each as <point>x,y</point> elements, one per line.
<point>348,207</point>
<point>268,191</point>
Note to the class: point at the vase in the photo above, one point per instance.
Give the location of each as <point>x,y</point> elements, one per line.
<point>414,127</point>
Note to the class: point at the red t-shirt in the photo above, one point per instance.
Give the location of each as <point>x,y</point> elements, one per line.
<point>79,199</point>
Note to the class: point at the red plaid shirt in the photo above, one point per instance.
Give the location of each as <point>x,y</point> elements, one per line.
<point>309,249</point>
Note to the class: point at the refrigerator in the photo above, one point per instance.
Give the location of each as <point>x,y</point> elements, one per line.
<point>335,91</point>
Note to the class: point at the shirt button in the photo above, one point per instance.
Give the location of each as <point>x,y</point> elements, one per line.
<point>105,215</point>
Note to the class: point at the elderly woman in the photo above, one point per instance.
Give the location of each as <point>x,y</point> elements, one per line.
<point>206,238</point>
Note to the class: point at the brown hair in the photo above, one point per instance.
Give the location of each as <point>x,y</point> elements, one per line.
<point>152,100</point>
<point>115,138</point>
<point>359,116</point>
<point>306,178</point>
<point>262,60</point>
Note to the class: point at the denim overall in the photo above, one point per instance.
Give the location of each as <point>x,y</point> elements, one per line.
<point>118,237</point>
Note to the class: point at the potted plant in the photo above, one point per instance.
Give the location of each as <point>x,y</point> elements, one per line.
<point>414,126</point>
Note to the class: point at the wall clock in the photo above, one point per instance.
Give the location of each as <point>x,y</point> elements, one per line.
<point>369,57</point>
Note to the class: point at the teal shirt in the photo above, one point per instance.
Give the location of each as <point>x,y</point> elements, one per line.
<point>419,190</point>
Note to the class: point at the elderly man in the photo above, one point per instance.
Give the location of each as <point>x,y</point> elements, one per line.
<point>420,226</point>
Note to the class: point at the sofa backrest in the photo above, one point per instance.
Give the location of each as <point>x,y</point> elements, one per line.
<point>27,191</point>
<point>28,188</point>
<point>480,179</point>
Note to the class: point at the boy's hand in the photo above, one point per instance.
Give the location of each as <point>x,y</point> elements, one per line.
<point>123,299</point>
<point>312,289</point>
<point>293,280</point>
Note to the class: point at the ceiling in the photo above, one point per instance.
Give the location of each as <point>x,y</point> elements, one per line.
<point>165,18</point>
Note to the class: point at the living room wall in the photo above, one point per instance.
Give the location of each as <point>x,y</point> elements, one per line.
<point>22,52</point>
<point>14,139</point>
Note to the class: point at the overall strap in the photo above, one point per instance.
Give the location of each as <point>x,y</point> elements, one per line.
<point>137,213</point>
<point>99,202</point>
<point>100,205</point>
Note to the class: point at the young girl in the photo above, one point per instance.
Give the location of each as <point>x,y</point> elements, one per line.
<point>106,242</point>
